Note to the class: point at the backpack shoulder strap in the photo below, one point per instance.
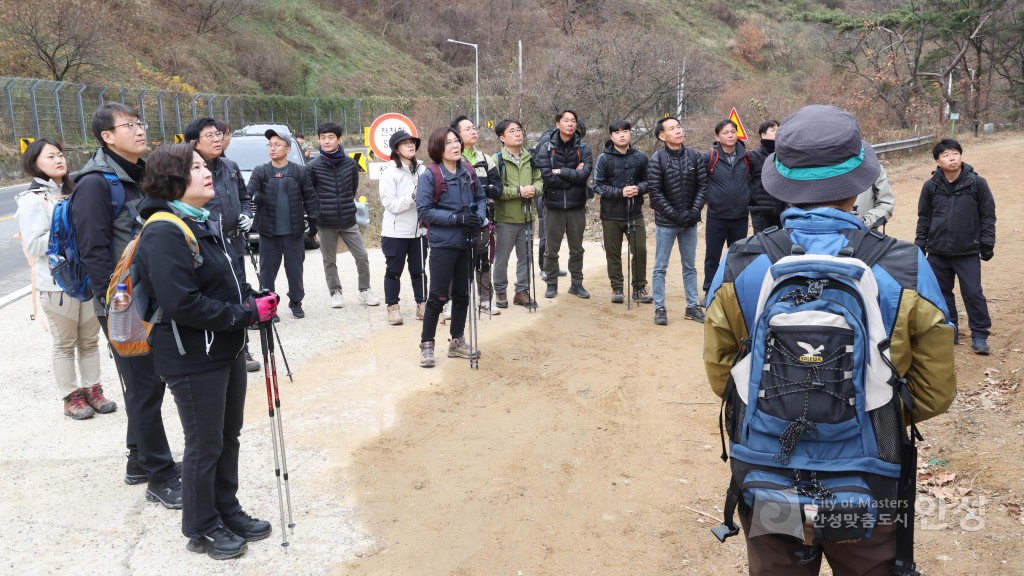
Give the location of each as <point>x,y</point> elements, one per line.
<point>501,166</point>
<point>440,186</point>
<point>117,193</point>
<point>712,161</point>
<point>868,246</point>
<point>190,238</point>
<point>472,176</point>
<point>776,243</point>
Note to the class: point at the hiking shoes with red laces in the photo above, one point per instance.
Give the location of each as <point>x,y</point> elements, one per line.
<point>94,396</point>
<point>76,406</point>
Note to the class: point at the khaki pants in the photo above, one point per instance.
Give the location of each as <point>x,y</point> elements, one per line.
<point>329,251</point>
<point>74,327</point>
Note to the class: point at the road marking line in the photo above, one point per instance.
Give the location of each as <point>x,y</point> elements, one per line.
<point>16,295</point>
<point>6,218</point>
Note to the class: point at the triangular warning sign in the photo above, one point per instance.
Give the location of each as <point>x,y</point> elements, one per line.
<point>740,132</point>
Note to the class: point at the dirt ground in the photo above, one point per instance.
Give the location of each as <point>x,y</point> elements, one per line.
<point>587,442</point>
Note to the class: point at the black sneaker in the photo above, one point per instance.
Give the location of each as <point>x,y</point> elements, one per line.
<point>980,345</point>
<point>694,313</point>
<point>134,475</point>
<point>252,529</point>
<point>618,297</point>
<point>660,317</point>
<point>643,295</point>
<point>296,308</point>
<point>219,544</point>
<point>579,290</point>
<point>167,492</point>
<point>552,291</point>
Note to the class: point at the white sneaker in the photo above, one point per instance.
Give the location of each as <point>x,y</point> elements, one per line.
<point>368,298</point>
<point>337,301</point>
<point>448,310</point>
<point>485,307</point>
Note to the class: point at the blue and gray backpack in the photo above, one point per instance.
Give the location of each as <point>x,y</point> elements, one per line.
<point>814,406</point>
<point>65,260</point>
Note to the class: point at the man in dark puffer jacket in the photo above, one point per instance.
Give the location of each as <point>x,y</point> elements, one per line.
<point>620,178</point>
<point>565,163</point>
<point>765,209</point>
<point>281,191</point>
<point>677,183</point>
<point>336,179</point>
<point>956,224</point>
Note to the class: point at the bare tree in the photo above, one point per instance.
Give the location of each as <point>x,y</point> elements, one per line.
<point>212,15</point>
<point>66,36</point>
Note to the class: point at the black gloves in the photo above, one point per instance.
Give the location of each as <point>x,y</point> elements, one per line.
<point>987,252</point>
<point>492,191</point>
<point>312,227</point>
<point>467,220</point>
<point>688,218</point>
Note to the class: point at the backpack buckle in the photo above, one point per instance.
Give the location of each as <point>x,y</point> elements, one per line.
<point>725,531</point>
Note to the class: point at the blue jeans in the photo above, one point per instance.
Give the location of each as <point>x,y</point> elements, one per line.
<point>665,237</point>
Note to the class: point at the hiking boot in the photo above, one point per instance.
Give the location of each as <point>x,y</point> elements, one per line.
<point>427,354</point>
<point>135,475</point>
<point>980,345</point>
<point>522,298</point>
<point>77,407</point>
<point>167,492</point>
<point>694,313</point>
<point>337,300</point>
<point>501,299</point>
<point>251,364</point>
<point>94,396</point>
<point>485,307</point>
<point>643,295</point>
<point>459,348</point>
<point>956,335</point>
<point>660,316</point>
<point>421,309</point>
<point>367,298</point>
<point>219,544</point>
<point>394,315</point>
<point>552,291</point>
<point>579,290</point>
<point>618,297</point>
<point>249,528</point>
<point>296,308</point>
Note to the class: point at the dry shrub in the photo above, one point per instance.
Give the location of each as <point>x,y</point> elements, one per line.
<point>750,45</point>
<point>276,69</point>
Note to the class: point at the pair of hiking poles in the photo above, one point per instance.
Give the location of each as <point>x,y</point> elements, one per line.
<point>274,410</point>
<point>528,205</point>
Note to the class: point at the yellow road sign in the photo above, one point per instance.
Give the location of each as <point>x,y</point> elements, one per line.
<point>740,132</point>
<point>490,124</point>
<point>360,159</point>
<point>179,138</point>
<point>366,136</point>
<point>25,142</point>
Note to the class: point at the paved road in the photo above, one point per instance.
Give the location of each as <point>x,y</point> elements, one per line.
<point>13,268</point>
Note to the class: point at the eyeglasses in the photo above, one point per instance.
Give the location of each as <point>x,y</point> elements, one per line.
<point>452,143</point>
<point>132,126</point>
<point>276,145</point>
<point>514,131</point>
<point>468,129</point>
<point>212,135</point>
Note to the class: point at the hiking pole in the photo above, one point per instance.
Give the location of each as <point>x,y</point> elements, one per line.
<point>264,339</point>
<point>280,433</point>
<point>532,283</point>
<point>473,358</point>
<point>255,266</point>
<point>629,254</point>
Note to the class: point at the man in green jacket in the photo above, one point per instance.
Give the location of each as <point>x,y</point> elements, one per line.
<point>514,213</point>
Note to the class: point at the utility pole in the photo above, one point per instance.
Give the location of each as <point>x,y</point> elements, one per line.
<point>476,53</point>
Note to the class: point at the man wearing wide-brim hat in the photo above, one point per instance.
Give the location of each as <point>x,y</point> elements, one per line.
<point>819,167</point>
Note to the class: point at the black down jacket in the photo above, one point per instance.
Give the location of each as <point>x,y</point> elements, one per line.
<point>956,218</point>
<point>566,190</point>
<point>336,188</point>
<point>301,196</point>
<point>613,171</point>
<point>761,202</point>
<point>677,182</point>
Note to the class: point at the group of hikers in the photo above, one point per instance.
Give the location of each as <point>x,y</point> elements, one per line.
<point>812,188</point>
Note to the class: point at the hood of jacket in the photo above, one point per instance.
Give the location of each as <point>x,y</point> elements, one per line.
<point>962,181</point>
<point>101,163</point>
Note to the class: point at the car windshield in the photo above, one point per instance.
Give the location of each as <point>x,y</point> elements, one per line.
<point>250,152</point>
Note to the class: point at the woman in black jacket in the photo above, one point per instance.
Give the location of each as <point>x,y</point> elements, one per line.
<point>197,345</point>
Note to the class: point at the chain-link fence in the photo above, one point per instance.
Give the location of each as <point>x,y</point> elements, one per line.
<point>35,108</point>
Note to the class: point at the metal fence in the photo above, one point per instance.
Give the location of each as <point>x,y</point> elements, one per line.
<point>34,108</point>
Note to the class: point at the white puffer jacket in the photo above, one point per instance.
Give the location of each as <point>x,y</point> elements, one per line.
<point>35,211</point>
<point>398,195</point>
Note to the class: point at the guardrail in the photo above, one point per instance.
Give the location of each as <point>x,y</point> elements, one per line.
<point>908,144</point>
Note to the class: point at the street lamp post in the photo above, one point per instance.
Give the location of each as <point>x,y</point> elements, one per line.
<point>476,53</point>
